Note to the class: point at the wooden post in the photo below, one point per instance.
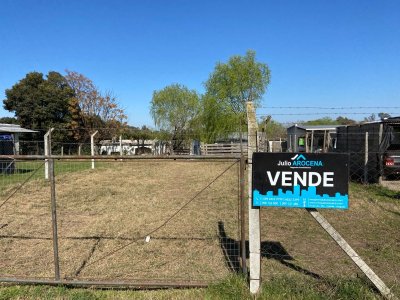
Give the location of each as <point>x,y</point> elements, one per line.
<point>366,159</point>
<point>254,213</point>
<point>295,144</point>
<point>307,148</point>
<point>92,146</point>
<point>79,149</point>
<point>380,156</point>
<point>312,141</point>
<point>62,150</point>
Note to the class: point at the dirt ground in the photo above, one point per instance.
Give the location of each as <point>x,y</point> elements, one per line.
<point>392,184</point>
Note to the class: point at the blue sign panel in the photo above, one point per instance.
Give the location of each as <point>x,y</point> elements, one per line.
<point>6,137</point>
<point>301,180</point>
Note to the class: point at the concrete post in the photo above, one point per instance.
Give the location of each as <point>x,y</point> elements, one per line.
<point>254,213</point>
<point>120,146</point>
<point>92,146</point>
<point>47,152</point>
<point>16,144</point>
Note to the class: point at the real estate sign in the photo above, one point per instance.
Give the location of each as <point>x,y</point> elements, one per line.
<point>302,180</point>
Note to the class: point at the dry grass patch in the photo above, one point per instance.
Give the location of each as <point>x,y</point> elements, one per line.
<point>118,204</point>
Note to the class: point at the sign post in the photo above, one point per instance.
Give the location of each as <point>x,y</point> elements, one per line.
<point>308,180</point>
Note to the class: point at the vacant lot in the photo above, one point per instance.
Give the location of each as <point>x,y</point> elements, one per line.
<point>104,216</point>
<point>118,204</point>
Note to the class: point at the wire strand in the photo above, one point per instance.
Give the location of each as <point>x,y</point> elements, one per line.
<point>165,222</point>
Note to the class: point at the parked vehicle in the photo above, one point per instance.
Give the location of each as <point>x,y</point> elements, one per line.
<point>391,162</point>
<point>374,149</point>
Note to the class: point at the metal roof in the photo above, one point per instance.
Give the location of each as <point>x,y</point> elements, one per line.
<point>12,128</point>
<point>317,127</point>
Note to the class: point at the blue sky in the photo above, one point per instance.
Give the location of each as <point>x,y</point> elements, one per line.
<point>321,53</point>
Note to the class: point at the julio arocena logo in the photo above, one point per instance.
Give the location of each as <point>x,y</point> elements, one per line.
<point>300,161</point>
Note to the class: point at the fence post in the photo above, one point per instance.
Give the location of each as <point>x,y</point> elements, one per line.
<point>120,145</point>
<point>312,141</point>
<point>92,146</point>
<point>307,148</point>
<point>54,219</point>
<point>242,215</point>
<point>366,159</point>
<point>254,213</point>
<point>47,151</point>
<point>380,156</point>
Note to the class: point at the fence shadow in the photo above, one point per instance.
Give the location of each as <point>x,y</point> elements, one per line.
<point>269,250</point>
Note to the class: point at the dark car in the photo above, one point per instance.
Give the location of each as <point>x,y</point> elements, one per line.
<point>391,162</point>
<point>391,158</point>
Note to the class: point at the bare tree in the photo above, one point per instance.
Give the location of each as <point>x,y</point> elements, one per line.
<point>98,110</point>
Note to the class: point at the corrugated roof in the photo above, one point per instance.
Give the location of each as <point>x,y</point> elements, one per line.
<point>317,127</point>
<point>12,128</point>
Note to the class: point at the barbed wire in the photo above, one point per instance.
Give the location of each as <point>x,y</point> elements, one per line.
<point>331,108</point>
<point>319,113</point>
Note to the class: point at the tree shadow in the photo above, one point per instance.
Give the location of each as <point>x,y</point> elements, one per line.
<point>269,250</point>
<point>389,194</point>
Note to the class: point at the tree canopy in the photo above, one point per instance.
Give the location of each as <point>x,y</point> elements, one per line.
<point>41,103</point>
<point>228,89</point>
<point>97,109</point>
<point>329,121</point>
<point>174,109</point>
<point>239,80</point>
<point>272,128</point>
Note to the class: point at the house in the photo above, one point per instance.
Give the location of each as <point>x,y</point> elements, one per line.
<point>312,138</point>
<point>9,145</point>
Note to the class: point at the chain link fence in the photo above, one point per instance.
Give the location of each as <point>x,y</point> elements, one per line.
<point>149,220</point>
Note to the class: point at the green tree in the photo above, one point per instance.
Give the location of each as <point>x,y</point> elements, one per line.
<point>41,103</point>
<point>8,120</point>
<point>228,89</point>
<point>175,109</point>
<point>217,121</point>
<point>321,121</point>
<point>345,121</point>
<point>383,115</point>
<point>273,129</point>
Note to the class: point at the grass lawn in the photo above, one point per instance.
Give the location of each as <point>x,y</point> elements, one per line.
<point>119,203</point>
<point>233,287</point>
<point>35,170</point>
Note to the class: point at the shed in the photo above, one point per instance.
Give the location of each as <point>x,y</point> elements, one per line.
<point>9,144</point>
<point>312,138</point>
<point>367,164</point>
